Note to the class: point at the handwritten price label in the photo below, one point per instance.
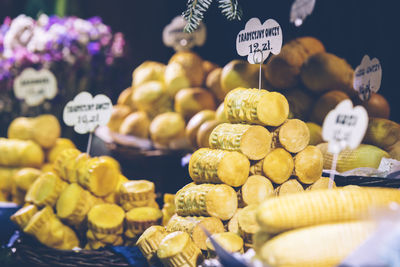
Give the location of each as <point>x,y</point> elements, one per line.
<point>300,10</point>
<point>258,40</point>
<point>175,37</point>
<point>367,77</point>
<point>86,112</point>
<point>344,127</point>
<point>35,86</point>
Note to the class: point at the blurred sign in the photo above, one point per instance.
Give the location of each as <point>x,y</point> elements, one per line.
<point>175,37</point>
<point>86,112</point>
<point>344,126</point>
<point>300,10</point>
<point>367,77</point>
<point>34,86</point>
<point>257,41</point>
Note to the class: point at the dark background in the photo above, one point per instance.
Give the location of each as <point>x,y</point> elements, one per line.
<point>348,28</point>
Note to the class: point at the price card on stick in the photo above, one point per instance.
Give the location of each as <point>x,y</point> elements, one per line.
<point>85,113</point>
<point>35,86</point>
<point>257,41</point>
<point>300,10</point>
<point>344,127</point>
<point>367,77</point>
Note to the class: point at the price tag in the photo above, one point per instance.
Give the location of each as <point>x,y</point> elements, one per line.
<point>86,112</point>
<point>34,86</point>
<point>258,40</point>
<point>300,10</point>
<point>175,37</point>
<point>345,126</point>
<point>367,77</point>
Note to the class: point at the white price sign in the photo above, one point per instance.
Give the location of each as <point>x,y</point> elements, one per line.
<point>300,10</point>
<point>367,77</point>
<point>86,112</point>
<point>34,86</point>
<point>175,37</point>
<point>344,126</point>
<point>258,40</point>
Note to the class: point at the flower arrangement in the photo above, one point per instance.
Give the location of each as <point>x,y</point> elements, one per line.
<point>82,54</point>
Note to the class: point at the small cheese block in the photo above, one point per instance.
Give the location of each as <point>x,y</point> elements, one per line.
<point>247,223</point>
<point>106,218</point>
<point>233,225</point>
<point>289,187</point>
<point>45,190</point>
<point>321,183</point>
<point>60,145</point>
<point>177,249</point>
<point>74,204</point>
<point>195,122</point>
<point>293,136</point>
<point>194,227</point>
<point>63,159</point>
<point>139,219</point>
<point>50,231</point>
<point>137,190</point>
<point>23,215</point>
<point>278,165</point>
<point>219,166</point>
<point>252,140</point>
<point>206,200</point>
<point>204,132</point>
<point>255,190</point>
<point>308,165</point>
<point>229,241</point>
<point>25,177</point>
<point>256,106</point>
<point>149,241</point>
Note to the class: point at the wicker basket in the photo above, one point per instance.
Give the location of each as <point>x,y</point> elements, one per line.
<point>26,251</point>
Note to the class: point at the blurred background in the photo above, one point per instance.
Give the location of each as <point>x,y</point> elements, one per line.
<point>348,28</point>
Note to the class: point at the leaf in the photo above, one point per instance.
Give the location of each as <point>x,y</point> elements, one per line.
<point>231,9</point>
<point>194,13</point>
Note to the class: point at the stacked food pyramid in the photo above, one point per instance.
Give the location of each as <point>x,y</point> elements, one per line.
<point>259,141</point>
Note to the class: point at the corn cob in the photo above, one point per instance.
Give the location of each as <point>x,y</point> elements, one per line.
<point>256,107</point>
<point>19,153</point>
<point>206,200</point>
<point>322,206</point>
<point>149,241</point>
<point>321,183</point>
<point>194,227</point>
<point>255,190</point>
<point>247,223</point>
<point>289,187</point>
<point>326,245</point>
<point>252,141</point>
<point>293,136</point>
<point>348,159</point>
<point>229,241</point>
<point>278,165</point>
<point>256,167</point>
<point>219,166</point>
<point>177,249</point>
<point>308,165</point>
<point>315,133</point>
